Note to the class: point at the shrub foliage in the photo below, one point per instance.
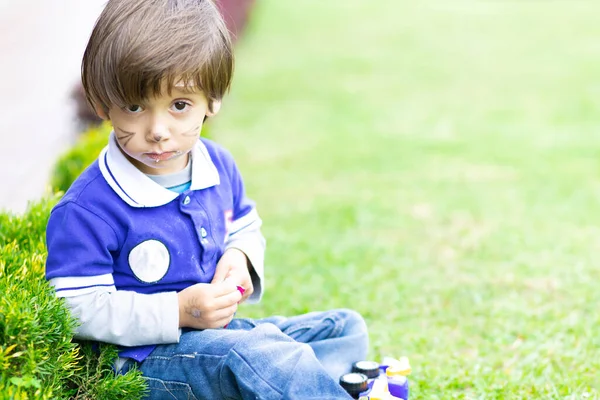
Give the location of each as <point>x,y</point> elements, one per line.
<point>38,357</point>
<point>82,154</point>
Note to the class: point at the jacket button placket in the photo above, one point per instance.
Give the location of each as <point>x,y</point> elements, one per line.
<point>201,227</point>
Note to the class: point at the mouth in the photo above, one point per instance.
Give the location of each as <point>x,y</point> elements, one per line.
<point>164,156</point>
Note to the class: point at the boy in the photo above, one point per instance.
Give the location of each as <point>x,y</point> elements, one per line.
<point>156,243</point>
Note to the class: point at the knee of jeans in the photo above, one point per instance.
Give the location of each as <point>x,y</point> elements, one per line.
<point>355,327</point>
<point>354,322</point>
<point>265,333</point>
<point>266,340</point>
<point>264,361</point>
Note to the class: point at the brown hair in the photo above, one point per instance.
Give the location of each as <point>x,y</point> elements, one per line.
<point>137,45</point>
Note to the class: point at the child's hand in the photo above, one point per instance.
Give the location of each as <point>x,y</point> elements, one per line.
<point>233,267</point>
<point>204,306</point>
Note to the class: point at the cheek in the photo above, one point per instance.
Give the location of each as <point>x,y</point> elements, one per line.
<point>129,149</point>
<point>190,125</point>
<point>127,124</point>
<point>191,131</point>
<point>189,142</point>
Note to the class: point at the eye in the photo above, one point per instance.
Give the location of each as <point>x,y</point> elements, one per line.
<point>180,106</point>
<point>134,108</point>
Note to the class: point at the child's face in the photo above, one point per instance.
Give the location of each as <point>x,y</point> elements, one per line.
<point>157,136</point>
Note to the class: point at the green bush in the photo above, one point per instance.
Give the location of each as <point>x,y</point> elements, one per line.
<point>38,358</point>
<point>83,153</point>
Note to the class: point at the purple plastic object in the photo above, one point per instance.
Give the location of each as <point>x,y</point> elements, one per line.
<point>398,387</point>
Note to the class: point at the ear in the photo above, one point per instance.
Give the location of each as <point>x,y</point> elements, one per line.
<point>101,113</point>
<point>213,108</point>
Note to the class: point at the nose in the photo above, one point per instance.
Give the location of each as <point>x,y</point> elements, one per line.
<point>157,137</point>
<point>158,130</point>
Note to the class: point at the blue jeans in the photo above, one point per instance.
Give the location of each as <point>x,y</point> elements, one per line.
<point>300,357</point>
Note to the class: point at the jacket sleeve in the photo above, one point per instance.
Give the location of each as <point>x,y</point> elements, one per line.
<point>80,268</point>
<point>244,233</point>
<point>126,318</point>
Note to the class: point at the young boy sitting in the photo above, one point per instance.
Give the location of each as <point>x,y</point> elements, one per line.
<point>156,244</point>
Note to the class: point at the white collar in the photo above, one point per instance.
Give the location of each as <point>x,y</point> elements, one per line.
<point>137,190</point>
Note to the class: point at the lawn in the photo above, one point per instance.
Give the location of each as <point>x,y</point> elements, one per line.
<point>433,165</point>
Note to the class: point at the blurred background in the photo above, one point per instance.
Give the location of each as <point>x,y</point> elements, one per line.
<point>41,45</point>
<point>432,164</point>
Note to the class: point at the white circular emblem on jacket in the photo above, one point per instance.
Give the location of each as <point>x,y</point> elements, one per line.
<point>149,261</point>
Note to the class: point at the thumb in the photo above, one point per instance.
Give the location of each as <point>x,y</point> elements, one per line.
<point>221,272</point>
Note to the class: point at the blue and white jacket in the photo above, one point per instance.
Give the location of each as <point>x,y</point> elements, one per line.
<point>121,246</point>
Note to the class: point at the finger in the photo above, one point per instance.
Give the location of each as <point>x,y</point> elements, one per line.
<point>234,278</point>
<point>223,288</point>
<point>222,317</point>
<point>223,313</point>
<point>248,293</point>
<point>248,289</point>
<point>223,322</point>
<point>227,300</point>
<point>220,273</point>
<point>247,285</point>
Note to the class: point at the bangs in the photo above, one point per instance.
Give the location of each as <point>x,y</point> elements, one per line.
<point>136,61</point>
<point>136,85</point>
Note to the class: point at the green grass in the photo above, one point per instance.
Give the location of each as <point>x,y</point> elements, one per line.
<point>433,165</point>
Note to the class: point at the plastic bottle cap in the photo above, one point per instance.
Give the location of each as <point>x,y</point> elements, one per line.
<point>368,368</point>
<point>354,383</point>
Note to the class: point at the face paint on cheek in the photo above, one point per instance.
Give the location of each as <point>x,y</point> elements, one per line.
<point>192,132</point>
<point>123,136</point>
